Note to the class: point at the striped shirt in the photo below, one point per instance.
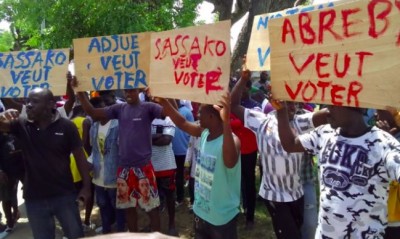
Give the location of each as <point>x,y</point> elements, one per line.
<point>163,157</point>
<point>281,171</point>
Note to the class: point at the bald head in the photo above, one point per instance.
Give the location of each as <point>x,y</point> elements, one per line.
<point>43,93</point>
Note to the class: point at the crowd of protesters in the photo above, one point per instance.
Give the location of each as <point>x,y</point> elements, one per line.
<point>136,151</point>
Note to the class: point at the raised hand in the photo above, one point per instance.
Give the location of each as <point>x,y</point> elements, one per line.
<point>225,110</point>
<point>10,114</point>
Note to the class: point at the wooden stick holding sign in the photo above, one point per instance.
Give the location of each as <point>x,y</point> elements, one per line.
<point>346,56</point>
<point>112,62</point>
<point>191,63</point>
<point>23,71</point>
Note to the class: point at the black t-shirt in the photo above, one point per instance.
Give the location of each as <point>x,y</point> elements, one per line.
<point>47,157</point>
<point>11,160</point>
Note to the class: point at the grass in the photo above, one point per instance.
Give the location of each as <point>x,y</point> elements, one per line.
<point>263,224</point>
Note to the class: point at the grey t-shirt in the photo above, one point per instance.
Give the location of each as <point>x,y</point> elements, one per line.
<point>134,131</point>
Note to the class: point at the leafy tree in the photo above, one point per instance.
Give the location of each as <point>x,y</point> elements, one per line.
<point>65,20</point>
<point>6,41</point>
<point>253,7</point>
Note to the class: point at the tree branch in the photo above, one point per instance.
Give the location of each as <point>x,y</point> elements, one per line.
<point>241,8</point>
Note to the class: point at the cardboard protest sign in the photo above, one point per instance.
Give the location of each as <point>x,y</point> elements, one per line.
<point>23,71</point>
<point>191,63</point>
<point>347,55</point>
<point>259,50</point>
<point>112,62</point>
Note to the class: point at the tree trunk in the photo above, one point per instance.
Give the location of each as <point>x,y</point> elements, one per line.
<point>256,7</point>
<point>224,9</point>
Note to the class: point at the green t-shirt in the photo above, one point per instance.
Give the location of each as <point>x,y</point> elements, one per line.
<point>217,188</point>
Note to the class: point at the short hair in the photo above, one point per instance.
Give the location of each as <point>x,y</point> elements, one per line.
<point>96,102</point>
<point>249,84</point>
<point>106,92</point>
<point>359,110</point>
<point>210,109</point>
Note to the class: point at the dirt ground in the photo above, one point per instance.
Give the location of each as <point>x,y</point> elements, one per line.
<point>184,222</point>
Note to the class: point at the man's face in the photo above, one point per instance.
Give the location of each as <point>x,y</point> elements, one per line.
<point>264,76</point>
<point>108,99</point>
<point>203,116</point>
<point>122,186</point>
<point>144,186</point>
<point>338,116</point>
<point>36,105</point>
<point>132,96</point>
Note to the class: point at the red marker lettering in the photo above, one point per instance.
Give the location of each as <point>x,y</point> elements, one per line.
<point>361,56</point>
<point>195,60</point>
<point>373,32</point>
<point>195,46</point>
<point>326,25</point>
<point>178,78</point>
<point>306,29</point>
<point>346,23</point>
<point>305,64</point>
<point>334,94</point>
<point>319,64</point>
<point>220,48</point>
<point>288,28</point>
<point>313,91</point>
<point>293,95</point>
<point>212,77</point>
<point>346,64</point>
<point>323,85</point>
<point>176,43</point>
<point>354,89</point>
<point>159,52</point>
<point>207,46</point>
<point>183,45</point>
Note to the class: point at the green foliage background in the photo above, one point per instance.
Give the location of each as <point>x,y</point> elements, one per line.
<point>69,19</point>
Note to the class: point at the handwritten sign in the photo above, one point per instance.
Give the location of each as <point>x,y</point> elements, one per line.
<point>112,62</point>
<point>191,63</point>
<point>23,71</point>
<point>259,50</point>
<point>347,55</point>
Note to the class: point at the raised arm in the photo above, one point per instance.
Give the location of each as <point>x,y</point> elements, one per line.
<point>289,141</point>
<point>11,103</point>
<point>231,143</point>
<point>161,139</point>
<point>71,95</point>
<point>97,114</point>
<point>5,119</point>
<point>236,95</point>
<point>179,120</point>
